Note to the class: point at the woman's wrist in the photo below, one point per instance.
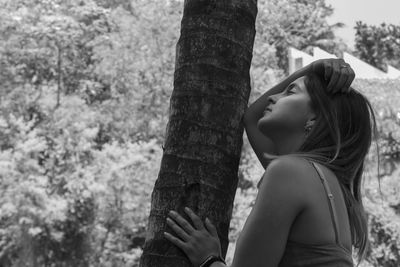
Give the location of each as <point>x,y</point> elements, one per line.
<point>218,264</point>
<point>209,261</point>
<point>303,71</point>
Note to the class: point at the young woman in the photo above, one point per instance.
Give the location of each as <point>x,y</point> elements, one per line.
<point>311,133</point>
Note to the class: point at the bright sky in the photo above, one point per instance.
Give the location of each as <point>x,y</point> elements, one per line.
<point>372,12</point>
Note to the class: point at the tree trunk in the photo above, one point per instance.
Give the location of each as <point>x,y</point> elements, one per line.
<point>203,142</point>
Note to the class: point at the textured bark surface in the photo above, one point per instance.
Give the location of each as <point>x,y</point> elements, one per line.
<point>199,167</point>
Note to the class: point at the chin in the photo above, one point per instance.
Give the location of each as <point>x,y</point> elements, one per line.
<point>262,120</point>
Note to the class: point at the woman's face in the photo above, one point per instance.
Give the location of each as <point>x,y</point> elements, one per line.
<point>287,112</point>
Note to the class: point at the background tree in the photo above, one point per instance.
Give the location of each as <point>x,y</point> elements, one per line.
<point>378,45</point>
<point>204,133</point>
<point>75,181</point>
<point>298,23</point>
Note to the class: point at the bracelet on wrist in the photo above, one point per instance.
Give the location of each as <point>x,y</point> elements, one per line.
<point>210,259</point>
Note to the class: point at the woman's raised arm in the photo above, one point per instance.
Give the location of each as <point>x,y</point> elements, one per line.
<point>258,141</point>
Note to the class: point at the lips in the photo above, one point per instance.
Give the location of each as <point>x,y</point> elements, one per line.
<point>266,111</point>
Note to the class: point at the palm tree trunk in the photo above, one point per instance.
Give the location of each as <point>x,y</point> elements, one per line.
<point>199,167</point>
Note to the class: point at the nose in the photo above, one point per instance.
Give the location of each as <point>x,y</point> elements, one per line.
<point>272,99</point>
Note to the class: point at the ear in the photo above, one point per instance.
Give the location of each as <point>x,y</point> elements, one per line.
<point>310,122</point>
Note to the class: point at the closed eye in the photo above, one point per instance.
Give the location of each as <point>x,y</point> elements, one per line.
<point>289,89</point>
<point>289,92</point>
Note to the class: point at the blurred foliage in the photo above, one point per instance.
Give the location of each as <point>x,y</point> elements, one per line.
<point>297,23</point>
<point>378,45</point>
<point>84,93</point>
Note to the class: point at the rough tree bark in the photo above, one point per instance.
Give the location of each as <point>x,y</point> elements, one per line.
<point>203,142</point>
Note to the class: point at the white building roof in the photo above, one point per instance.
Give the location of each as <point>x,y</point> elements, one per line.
<point>299,59</point>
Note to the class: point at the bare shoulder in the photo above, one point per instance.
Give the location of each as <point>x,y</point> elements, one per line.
<point>289,175</point>
<point>295,166</point>
<point>291,172</point>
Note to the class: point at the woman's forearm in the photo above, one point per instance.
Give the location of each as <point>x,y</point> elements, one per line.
<point>255,110</point>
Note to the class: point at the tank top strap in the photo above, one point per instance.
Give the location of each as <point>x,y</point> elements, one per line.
<point>331,200</point>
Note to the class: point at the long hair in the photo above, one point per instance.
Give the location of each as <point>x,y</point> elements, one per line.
<point>340,139</point>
